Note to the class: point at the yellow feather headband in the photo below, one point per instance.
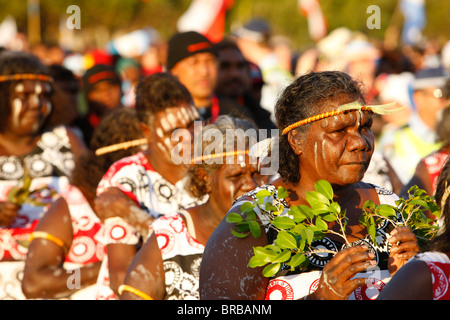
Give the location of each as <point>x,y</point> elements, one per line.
<point>356,105</point>
<point>25,76</point>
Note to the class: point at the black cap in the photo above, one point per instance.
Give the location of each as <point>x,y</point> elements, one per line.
<point>99,72</point>
<point>430,77</point>
<point>257,29</point>
<point>186,44</point>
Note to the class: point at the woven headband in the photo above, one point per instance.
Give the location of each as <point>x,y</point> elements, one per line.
<point>218,155</point>
<point>25,76</point>
<point>380,109</point>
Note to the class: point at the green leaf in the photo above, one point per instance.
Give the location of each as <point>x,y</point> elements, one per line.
<point>255,228</point>
<point>263,194</point>
<point>282,193</point>
<point>247,206</point>
<point>255,262</point>
<point>329,217</point>
<point>296,213</point>
<point>298,226</point>
<point>335,208</point>
<point>301,244</point>
<point>271,269</point>
<point>298,259</point>
<point>242,227</point>
<point>371,229</point>
<point>270,207</point>
<point>305,210</point>
<point>283,222</point>
<point>307,234</point>
<point>234,217</point>
<point>239,234</point>
<point>285,240</point>
<point>282,256</point>
<point>269,250</point>
<point>324,187</point>
<point>369,204</point>
<point>319,208</point>
<point>419,202</point>
<point>322,225</point>
<point>315,198</point>
<point>386,211</point>
<point>251,215</point>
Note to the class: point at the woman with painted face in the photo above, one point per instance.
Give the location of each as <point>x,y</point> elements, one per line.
<point>66,242</point>
<point>325,134</point>
<point>34,164</point>
<point>149,183</point>
<point>168,265</point>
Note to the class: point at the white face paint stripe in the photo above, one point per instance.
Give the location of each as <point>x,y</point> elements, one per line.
<point>19,87</point>
<point>172,120</point>
<point>315,154</point>
<point>16,108</point>
<point>49,108</point>
<point>359,116</point>
<point>168,144</point>
<point>162,147</point>
<point>159,132</point>
<point>165,124</point>
<point>38,88</point>
<point>241,160</point>
<point>323,149</point>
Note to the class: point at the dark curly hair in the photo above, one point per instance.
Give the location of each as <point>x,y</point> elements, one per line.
<point>197,185</point>
<point>306,96</point>
<point>118,126</point>
<point>158,92</point>
<point>14,62</point>
<point>442,241</point>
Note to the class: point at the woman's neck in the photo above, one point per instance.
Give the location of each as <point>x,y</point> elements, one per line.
<point>17,145</point>
<point>169,171</point>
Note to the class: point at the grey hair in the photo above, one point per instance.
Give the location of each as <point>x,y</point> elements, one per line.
<point>225,134</point>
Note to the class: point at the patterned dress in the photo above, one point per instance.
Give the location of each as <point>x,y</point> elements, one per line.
<point>287,285</point>
<point>86,247</point>
<point>182,255</point>
<point>48,165</point>
<point>137,179</point>
<point>439,265</point>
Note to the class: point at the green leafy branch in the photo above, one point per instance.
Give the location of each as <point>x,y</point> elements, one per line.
<point>296,230</point>
<point>411,212</point>
<point>301,225</point>
<point>21,193</point>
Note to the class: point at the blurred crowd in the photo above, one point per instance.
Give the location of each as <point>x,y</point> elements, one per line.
<point>90,100</point>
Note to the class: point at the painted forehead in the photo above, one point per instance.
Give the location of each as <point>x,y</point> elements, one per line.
<point>330,111</point>
<point>32,86</point>
<point>348,117</point>
<point>176,117</point>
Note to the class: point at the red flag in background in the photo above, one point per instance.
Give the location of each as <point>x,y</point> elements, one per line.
<point>317,23</point>
<point>206,17</point>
